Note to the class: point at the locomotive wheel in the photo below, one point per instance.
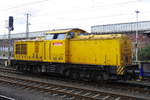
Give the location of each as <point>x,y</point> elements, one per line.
<point>74,75</point>
<point>77,75</point>
<point>67,73</point>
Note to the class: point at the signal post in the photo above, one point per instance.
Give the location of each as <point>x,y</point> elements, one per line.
<point>10,28</point>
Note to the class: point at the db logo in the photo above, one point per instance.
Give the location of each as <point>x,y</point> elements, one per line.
<point>57,43</point>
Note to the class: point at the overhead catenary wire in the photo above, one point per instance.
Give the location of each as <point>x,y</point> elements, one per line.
<point>22,5</point>
<point>42,1</point>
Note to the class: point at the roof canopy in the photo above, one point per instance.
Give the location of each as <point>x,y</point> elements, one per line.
<point>122,27</point>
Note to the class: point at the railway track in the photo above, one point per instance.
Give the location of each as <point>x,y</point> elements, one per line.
<point>127,88</point>
<point>2,97</point>
<point>9,70</point>
<point>72,93</point>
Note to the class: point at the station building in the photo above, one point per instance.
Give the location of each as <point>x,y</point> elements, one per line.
<point>130,29</point>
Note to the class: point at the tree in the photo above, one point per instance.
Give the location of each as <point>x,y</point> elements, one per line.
<point>144,53</point>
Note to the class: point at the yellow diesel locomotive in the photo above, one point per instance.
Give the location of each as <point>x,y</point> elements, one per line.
<point>76,54</point>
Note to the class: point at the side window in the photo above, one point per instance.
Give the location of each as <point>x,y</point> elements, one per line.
<point>82,34</point>
<point>61,36</point>
<point>55,36</point>
<point>49,37</point>
<point>70,35</point>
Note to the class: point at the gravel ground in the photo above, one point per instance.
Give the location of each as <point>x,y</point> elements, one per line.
<point>18,93</point>
<point>32,95</point>
<point>24,94</point>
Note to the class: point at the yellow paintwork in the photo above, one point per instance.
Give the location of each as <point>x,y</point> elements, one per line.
<point>34,50</point>
<point>98,52</point>
<point>55,52</point>
<point>100,49</point>
<point>46,50</point>
<point>111,50</point>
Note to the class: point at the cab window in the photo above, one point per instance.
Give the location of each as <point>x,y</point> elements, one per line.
<point>61,36</point>
<point>55,36</point>
<point>49,37</point>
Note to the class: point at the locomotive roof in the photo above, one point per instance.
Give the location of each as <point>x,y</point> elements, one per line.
<point>106,36</point>
<point>65,30</point>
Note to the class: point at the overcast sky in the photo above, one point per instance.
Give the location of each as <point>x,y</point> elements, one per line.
<point>59,14</point>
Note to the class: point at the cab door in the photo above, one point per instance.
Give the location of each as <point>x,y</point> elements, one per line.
<point>59,49</point>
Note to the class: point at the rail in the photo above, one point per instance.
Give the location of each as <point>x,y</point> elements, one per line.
<point>66,91</point>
